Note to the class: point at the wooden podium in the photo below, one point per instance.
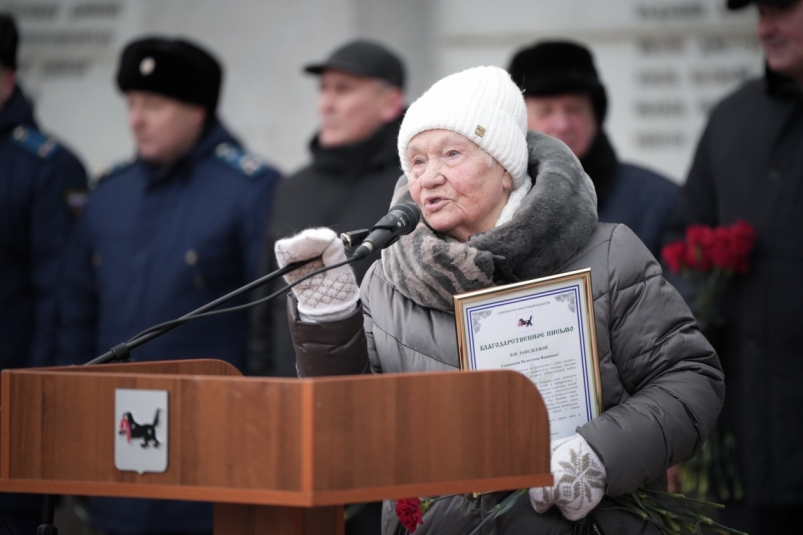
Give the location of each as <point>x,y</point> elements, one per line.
<point>276,456</point>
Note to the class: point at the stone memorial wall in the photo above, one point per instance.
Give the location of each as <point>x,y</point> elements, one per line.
<point>665,62</point>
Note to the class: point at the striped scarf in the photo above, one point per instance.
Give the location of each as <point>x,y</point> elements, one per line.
<point>429,267</point>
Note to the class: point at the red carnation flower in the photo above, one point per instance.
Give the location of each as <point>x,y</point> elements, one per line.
<point>743,238</point>
<point>722,253</point>
<point>725,249</point>
<point>699,235</point>
<point>699,239</point>
<point>673,254</point>
<point>409,513</point>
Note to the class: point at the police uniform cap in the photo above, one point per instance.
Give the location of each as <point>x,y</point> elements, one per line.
<point>554,68</point>
<point>9,37</point>
<point>172,67</point>
<point>364,58</point>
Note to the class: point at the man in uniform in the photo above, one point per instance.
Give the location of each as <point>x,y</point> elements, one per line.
<point>565,99</point>
<point>179,226</point>
<point>42,187</point>
<point>749,165</point>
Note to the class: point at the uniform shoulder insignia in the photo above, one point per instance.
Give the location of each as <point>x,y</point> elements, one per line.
<point>35,142</point>
<point>111,170</point>
<point>235,157</point>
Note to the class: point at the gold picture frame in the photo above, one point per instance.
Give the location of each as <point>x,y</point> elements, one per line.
<point>544,328</point>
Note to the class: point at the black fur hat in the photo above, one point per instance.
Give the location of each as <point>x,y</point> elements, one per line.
<point>9,38</point>
<point>172,67</point>
<point>555,67</point>
<point>739,4</point>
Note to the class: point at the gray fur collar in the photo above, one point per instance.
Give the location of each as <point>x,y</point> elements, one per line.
<point>554,221</point>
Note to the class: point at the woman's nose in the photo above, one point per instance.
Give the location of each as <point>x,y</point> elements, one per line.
<point>433,176</point>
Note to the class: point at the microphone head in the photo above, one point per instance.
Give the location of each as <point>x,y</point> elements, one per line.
<point>400,220</point>
<point>409,217</point>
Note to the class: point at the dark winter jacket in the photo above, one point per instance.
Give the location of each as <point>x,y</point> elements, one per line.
<point>154,244</point>
<point>661,382</point>
<point>42,188</point>
<point>344,188</point>
<point>749,165</point>
<point>635,196</point>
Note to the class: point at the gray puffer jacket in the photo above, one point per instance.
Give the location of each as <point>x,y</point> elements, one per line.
<point>661,381</point>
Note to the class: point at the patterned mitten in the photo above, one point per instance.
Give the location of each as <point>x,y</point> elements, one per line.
<point>579,480</point>
<point>329,296</point>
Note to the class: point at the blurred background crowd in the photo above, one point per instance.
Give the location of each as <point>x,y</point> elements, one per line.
<point>152,152</point>
<point>664,62</point>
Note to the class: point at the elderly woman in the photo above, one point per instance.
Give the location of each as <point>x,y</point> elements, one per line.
<point>501,205</point>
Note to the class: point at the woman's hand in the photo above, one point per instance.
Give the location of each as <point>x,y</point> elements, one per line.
<point>579,480</point>
<point>329,296</point>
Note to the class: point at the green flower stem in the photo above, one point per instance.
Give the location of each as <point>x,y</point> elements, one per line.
<point>683,497</point>
<point>671,517</point>
<point>725,529</point>
<point>427,503</point>
<point>675,517</point>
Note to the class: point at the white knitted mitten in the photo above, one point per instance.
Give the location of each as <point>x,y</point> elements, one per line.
<point>579,480</point>
<point>329,296</point>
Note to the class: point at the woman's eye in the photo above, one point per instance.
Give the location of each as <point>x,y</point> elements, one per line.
<point>452,153</point>
<point>418,161</point>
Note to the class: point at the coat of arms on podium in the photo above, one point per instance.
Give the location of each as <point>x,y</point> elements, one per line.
<point>140,430</point>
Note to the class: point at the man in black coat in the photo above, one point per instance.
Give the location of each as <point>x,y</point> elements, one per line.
<point>566,100</point>
<point>749,165</point>
<point>347,186</point>
<point>349,183</point>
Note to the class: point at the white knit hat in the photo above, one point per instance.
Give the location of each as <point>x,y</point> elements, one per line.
<point>482,104</point>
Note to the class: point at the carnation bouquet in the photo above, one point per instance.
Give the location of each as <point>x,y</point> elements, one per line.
<point>671,513</point>
<point>710,258</point>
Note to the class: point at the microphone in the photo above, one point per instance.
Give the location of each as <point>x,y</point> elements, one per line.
<point>354,238</point>
<point>400,220</point>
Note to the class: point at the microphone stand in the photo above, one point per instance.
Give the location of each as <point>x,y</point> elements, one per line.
<point>122,352</point>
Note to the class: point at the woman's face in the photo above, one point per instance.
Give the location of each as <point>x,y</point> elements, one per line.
<point>460,190</point>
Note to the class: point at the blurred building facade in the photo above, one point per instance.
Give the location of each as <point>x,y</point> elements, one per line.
<point>664,62</point>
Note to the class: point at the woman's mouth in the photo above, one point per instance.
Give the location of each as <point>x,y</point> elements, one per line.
<point>433,204</point>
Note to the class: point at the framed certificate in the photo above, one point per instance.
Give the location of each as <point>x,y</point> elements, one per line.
<point>542,328</point>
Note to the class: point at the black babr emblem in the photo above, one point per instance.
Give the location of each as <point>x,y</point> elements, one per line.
<point>526,323</point>
<point>146,432</point>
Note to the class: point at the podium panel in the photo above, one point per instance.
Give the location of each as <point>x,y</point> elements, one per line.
<point>280,445</point>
